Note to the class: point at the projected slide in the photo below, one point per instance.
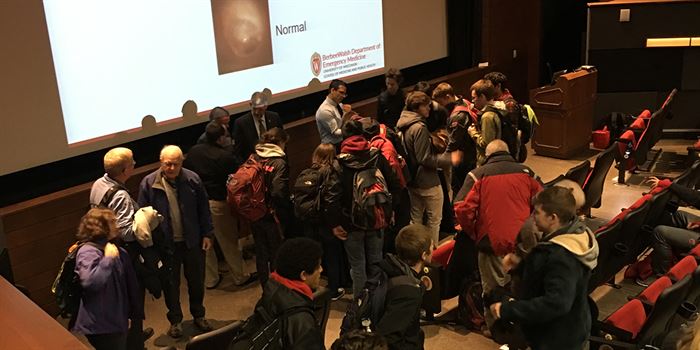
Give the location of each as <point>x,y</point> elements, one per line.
<point>118,61</point>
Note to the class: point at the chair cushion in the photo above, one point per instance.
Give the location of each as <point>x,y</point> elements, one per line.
<point>682,268</point>
<point>651,293</point>
<point>630,317</point>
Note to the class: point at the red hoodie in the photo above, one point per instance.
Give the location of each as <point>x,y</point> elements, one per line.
<point>354,144</point>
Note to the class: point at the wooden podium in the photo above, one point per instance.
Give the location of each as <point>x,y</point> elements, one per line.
<point>565,113</point>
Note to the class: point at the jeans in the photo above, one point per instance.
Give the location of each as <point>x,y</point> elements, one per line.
<point>111,341</point>
<point>193,262</point>
<point>672,237</point>
<point>226,233</point>
<point>427,201</point>
<point>364,249</point>
<point>268,238</point>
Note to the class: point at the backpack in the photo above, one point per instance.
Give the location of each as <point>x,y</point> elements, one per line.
<point>263,330</point>
<point>367,308</point>
<point>246,190</point>
<point>307,194</point>
<point>371,200</point>
<point>396,161</point>
<point>66,287</point>
<point>470,307</point>
<point>509,131</point>
<point>466,109</point>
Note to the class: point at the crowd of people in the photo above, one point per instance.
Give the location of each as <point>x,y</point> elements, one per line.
<point>384,190</point>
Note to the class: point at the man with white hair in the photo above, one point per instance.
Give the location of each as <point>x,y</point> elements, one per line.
<point>492,206</point>
<point>179,195</point>
<point>248,128</point>
<point>110,192</point>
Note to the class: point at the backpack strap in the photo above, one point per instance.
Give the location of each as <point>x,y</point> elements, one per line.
<point>107,197</point>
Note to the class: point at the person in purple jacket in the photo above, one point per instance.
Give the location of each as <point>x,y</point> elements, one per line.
<point>110,289</point>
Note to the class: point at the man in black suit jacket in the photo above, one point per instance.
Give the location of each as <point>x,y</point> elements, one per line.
<point>248,128</point>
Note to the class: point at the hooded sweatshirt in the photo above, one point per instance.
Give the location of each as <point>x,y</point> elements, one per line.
<point>400,324</point>
<point>422,161</point>
<point>552,303</point>
<point>489,128</point>
<point>276,175</point>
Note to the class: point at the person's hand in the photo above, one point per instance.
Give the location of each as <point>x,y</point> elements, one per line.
<point>340,233</point>
<point>206,243</point>
<point>653,181</point>
<point>347,107</point>
<point>510,261</point>
<point>694,225</point>
<point>471,130</point>
<point>111,250</point>
<point>496,310</point>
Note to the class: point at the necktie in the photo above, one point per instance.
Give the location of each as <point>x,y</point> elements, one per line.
<point>261,127</point>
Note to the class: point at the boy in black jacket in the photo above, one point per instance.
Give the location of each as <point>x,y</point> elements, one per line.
<point>552,299</point>
<point>291,287</point>
<point>400,323</point>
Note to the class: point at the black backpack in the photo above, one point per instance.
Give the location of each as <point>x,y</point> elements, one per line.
<point>371,200</point>
<point>367,308</point>
<point>66,287</point>
<point>307,194</point>
<point>262,330</point>
<point>509,131</point>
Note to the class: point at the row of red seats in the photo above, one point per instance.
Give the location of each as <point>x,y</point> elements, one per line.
<point>647,318</point>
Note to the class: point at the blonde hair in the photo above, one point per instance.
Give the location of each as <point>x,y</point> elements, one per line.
<point>117,160</point>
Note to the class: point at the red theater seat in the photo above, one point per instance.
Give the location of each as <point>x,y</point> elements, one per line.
<point>630,317</point>
<point>443,253</point>
<point>651,293</point>
<point>695,251</point>
<point>682,268</point>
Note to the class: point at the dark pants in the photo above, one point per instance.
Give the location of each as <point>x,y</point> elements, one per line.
<point>402,217</point>
<point>111,341</point>
<point>334,261</point>
<point>672,237</point>
<point>447,224</point>
<point>268,239</point>
<point>193,262</point>
<point>134,338</point>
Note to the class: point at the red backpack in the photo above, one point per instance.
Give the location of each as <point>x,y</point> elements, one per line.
<point>469,109</point>
<point>246,190</point>
<point>397,163</point>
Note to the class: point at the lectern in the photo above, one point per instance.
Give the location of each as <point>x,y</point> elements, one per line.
<point>565,113</point>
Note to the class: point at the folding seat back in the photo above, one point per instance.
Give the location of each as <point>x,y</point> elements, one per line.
<point>659,319</point>
<point>658,203</point>
<point>682,268</point>
<point>651,293</point>
<point>593,186</point>
<point>632,233</point>
<point>611,254</point>
<point>579,173</point>
<point>443,253</point>
<point>648,138</point>
<point>687,178</point>
<point>694,292</point>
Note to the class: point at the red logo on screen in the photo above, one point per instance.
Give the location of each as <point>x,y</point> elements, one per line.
<point>316,64</point>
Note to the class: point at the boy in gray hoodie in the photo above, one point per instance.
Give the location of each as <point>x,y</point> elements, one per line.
<point>551,302</point>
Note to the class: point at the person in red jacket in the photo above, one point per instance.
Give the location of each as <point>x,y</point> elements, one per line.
<point>491,207</point>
